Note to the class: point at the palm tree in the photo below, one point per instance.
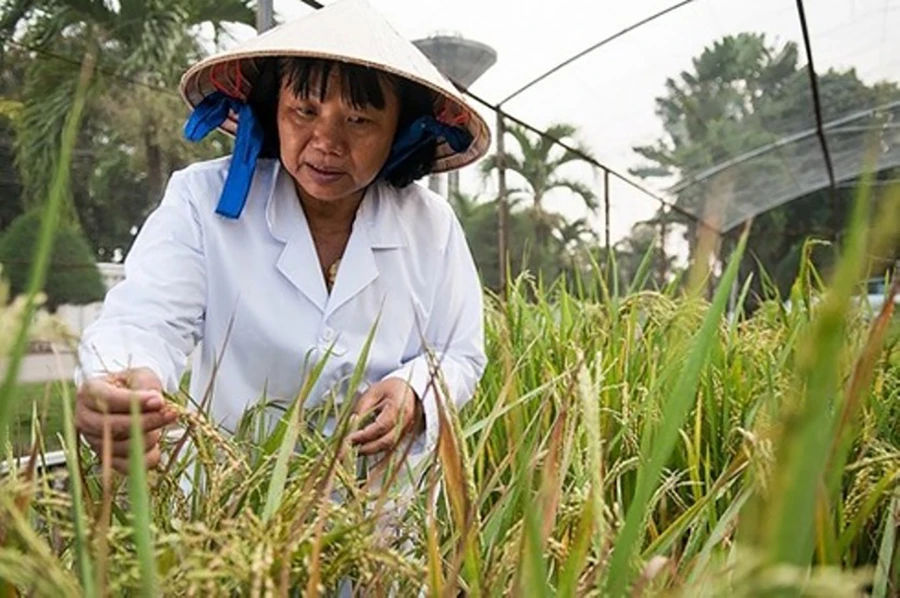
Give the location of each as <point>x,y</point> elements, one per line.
<point>539,165</point>
<point>146,42</point>
<point>479,221</point>
<point>575,234</point>
<point>575,242</point>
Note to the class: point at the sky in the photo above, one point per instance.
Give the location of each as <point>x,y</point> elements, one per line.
<point>609,94</point>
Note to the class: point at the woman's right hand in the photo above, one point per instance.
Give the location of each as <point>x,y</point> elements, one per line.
<point>107,399</point>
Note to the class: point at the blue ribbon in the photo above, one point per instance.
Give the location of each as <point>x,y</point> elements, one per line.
<point>421,131</point>
<point>206,117</point>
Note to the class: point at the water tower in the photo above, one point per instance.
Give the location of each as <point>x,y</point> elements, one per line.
<point>462,61</point>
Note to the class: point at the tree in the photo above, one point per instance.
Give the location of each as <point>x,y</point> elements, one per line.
<point>146,42</point>
<point>712,114</point>
<point>539,168</point>
<point>567,249</point>
<point>10,186</point>
<point>743,94</point>
<point>12,74</point>
<point>73,275</point>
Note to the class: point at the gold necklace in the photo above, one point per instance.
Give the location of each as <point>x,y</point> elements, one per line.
<point>331,274</point>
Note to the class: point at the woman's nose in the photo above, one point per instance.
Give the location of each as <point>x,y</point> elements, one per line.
<point>329,136</point>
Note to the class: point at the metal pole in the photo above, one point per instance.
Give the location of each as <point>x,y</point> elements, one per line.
<point>265,15</point>
<point>434,183</point>
<point>663,216</point>
<point>606,210</point>
<point>502,204</point>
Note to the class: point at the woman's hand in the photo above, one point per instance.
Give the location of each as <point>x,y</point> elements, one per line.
<point>107,400</point>
<point>398,411</point>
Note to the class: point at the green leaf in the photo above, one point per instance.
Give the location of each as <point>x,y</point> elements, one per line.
<point>79,517</point>
<point>40,265</point>
<point>139,495</point>
<point>888,546</point>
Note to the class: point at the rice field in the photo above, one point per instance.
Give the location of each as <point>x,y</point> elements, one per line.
<point>620,443</point>
<point>617,445</point>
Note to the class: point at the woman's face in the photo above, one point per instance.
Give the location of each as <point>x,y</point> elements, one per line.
<point>332,149</point>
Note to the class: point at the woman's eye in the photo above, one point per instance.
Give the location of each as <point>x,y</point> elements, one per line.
<point>306,111</point>
<point>358,120</point>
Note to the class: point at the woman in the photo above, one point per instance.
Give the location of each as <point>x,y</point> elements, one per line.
<point>292,249</point>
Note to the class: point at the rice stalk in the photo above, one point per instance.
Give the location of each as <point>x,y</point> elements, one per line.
<point>621,567</point>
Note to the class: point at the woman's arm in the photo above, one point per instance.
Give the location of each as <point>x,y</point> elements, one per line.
<point>149,324</point>
<point>154,317</point>
<point>453,336</point>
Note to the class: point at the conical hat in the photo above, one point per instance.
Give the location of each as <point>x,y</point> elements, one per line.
<point>350,31</point>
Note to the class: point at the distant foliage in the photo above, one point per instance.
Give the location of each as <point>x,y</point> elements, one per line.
<point>73,277</point>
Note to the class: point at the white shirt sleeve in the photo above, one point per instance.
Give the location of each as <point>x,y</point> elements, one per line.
<point>154,317</point>
<point>454,334</point>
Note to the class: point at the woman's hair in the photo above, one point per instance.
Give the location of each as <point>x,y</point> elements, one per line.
<point>361,87</point>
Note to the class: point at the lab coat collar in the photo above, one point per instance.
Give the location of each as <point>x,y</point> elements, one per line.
<point>377,227</point>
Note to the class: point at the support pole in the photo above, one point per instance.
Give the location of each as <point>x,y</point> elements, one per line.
<point>663,221</point>
<point>265,15</point>
<point>817,102</point>
<point>502,205</point>
<point>452,183</point>
<point>606,212</point>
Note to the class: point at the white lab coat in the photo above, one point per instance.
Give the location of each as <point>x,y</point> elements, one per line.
<point>252,291</point>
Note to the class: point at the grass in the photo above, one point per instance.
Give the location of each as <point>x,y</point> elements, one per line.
<point>44,398</point>
<point>893,340</point>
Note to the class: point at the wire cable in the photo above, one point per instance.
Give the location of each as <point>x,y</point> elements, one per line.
<point>100,69</point>
<point>587,51</point>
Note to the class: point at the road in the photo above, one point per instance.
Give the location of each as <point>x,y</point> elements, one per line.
<point>44,367</point>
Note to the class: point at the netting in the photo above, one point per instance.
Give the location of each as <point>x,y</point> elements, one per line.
<point>761,150</point>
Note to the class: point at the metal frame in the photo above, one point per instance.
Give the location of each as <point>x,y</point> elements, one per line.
<point>596,46</point>
<point>589,159</point>
<point>814,86</point>
<point>47,461</point>
<point>832,127</point>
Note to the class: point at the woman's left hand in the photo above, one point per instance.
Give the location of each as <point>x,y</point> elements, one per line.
<point>398,412</point>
